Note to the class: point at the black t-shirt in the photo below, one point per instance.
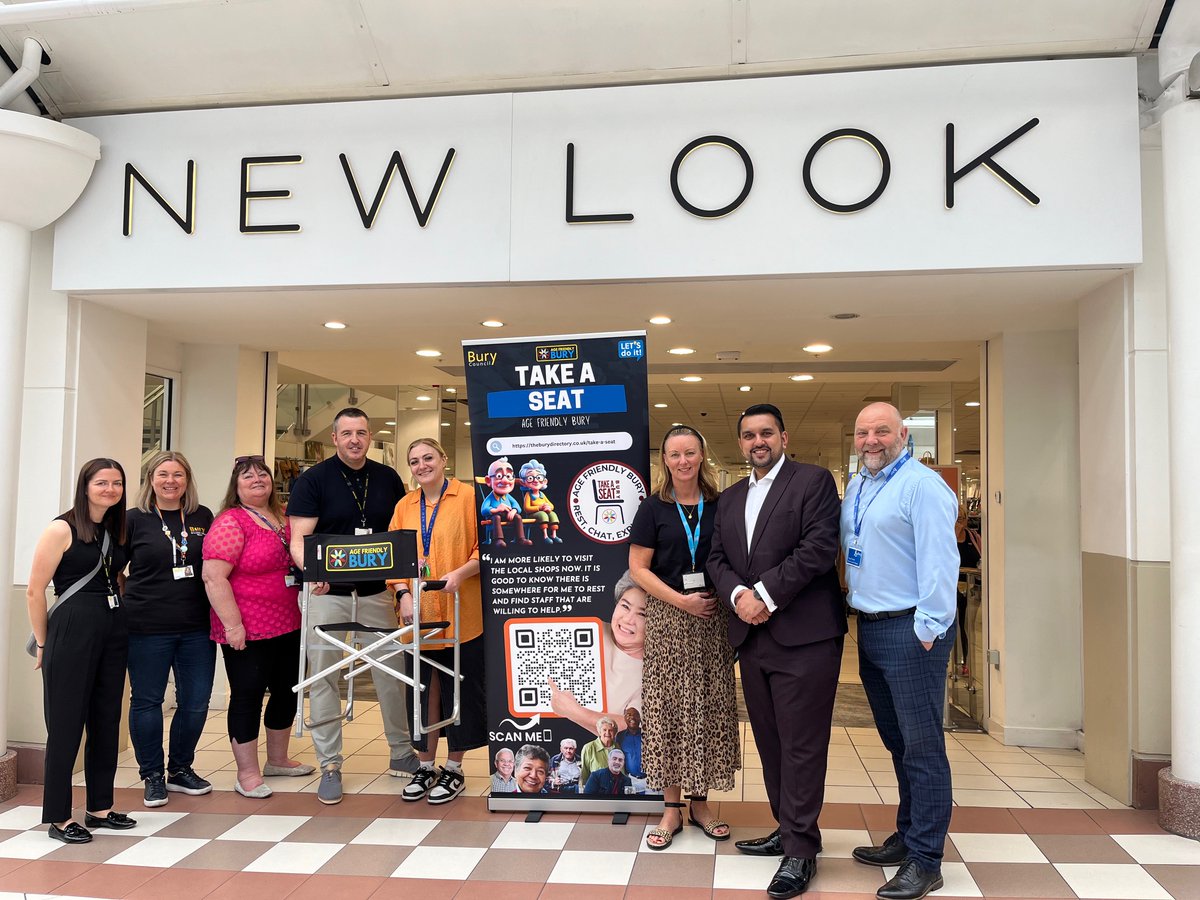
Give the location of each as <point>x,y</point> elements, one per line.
<point>342,499</point>
<point>657,525</point>
<point>155,602</point>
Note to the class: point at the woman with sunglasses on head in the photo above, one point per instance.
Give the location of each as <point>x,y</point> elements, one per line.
<point>253,589</point>
<point>689,705</point>
<point>82,643</point>
<point>168,626</point>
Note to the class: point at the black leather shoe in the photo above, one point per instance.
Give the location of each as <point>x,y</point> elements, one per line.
<point>114,820</point>
<point>792,877</point>
<point>74,833</point>
<point>771,845</point>
<point>911,883</point>
<point>891,852</point>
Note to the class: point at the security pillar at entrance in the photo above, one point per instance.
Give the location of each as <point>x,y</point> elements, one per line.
<point>44,166</point>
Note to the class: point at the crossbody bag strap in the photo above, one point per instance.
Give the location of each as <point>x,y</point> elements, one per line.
<point>76,587</point>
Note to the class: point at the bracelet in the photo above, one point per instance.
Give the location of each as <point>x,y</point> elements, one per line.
<point>237,625</point>
<point>400,594</point>
<point>41,646</point>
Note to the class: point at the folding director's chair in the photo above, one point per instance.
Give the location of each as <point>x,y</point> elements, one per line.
<point>389,555</point>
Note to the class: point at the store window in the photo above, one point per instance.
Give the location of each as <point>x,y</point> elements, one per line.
<point>157,411</point>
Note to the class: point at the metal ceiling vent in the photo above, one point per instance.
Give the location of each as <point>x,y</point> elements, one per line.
<point>729,355</point>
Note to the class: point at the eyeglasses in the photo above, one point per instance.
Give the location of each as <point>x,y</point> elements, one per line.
<point>242,460</point>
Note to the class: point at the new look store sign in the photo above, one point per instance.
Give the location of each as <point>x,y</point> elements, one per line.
<point>1008,165</point>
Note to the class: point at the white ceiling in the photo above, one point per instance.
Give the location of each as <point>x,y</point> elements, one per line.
<point>245,52</point>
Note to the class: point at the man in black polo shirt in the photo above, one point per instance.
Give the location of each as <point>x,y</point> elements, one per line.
<point>348,494</point>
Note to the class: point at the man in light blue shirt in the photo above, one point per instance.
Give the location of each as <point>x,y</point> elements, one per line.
<point>902,573</point>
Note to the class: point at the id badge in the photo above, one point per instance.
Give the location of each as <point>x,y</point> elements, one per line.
<point>693,581</point>
<point>113,602</point>
<point>854,556</point>
<point>293,577</point>
<point>361,531</point>
<point>181,572</point>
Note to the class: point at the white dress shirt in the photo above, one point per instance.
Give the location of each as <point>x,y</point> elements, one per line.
<point>756,494</point>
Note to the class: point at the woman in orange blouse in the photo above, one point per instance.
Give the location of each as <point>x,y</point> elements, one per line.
<point>442,512</point>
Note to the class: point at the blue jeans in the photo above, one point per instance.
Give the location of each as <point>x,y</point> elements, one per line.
<point>193,657</point>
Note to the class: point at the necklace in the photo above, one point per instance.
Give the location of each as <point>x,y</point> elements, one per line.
<point>689,511</point>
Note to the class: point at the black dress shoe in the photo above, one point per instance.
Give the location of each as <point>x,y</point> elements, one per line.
<point>911,883</point>
<point>771,845</point>
<point>792,877</point>
<point>74,833</point>
<point>114,820</point>
<point>891,852</point>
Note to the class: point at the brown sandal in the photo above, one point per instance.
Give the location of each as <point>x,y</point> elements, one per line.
<point>661,833</point>
<point>710,827</point>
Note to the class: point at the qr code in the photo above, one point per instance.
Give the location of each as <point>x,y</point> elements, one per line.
<point>568,650</point>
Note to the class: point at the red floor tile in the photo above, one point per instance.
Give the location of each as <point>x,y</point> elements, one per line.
<point>470,809</point>
<point>842,815</point>
<point>181,884</point>
<point>657,892</point>
<point>746,813</point>
<point>1126,821</point>
<point>108,881</point>
<point>42,876</point>
<point>370,806</point>
<point>343,887</point>
<point>1056,821</point>
<point>416,889</point>
<point>982,820</point>
<point>879,818</point>
<point>584,892</point>
<point>499,890</point>
<point>258,885</point>
<point>402,809</point>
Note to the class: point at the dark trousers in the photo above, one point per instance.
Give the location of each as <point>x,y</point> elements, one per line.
<point>268,665</point>
<point>83,679</point>
<point>471,730</point>
<point>789,696</point>
<point>152,657</point>
<point>905,685</point>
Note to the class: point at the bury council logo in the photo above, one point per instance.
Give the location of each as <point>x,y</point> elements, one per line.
<point>556,352</point>
<point>603,499</point>
<point>359,557</point>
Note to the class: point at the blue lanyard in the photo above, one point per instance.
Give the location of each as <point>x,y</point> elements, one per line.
<point>858,520</point>
<point>693,538</point>
<point>427,533</point>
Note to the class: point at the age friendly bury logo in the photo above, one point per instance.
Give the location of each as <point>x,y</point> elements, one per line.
<point>603,499</point>
<point>358,557</point>
<point>555,352</point>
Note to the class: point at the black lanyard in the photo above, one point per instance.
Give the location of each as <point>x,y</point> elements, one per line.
<point>106,561</point>
<point>427,532</point>
<point>360,503</point>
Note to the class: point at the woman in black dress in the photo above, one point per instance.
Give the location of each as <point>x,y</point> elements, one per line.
<point>689,714</point>
<point>82,648</point>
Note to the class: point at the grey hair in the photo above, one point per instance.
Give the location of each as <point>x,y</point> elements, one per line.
<point>624,583</point>
<point>600,721</point>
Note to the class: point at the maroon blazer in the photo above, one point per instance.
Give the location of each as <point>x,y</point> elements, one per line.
<point>793,553</point>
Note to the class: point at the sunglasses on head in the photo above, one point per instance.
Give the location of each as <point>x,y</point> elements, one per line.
<point>243,460</point>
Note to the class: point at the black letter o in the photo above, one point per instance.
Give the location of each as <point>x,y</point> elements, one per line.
<point>864,136</point>
<point>702,142</point>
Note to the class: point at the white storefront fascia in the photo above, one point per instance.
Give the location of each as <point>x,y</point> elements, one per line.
<point>1060,191</point>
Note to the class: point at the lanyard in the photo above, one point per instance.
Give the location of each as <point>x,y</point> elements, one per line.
<point>361,504</point>
<point>693,538</point>
<point>106,561</point>
<point>178,550</point>
<point>858,520</point>
<point>278,531</point>
<point>427,532</point>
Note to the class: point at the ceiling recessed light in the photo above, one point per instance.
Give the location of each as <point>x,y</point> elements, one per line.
<point>383,431</point>
<point>816,348</point>
<point>691,379</point>
<point>660,320</point>
<point>492,323</point>
<point>390,422</point>
<point>845,316</point>
<point>468,424</point>
<point>429,353</point>
<point>335,326</point>
<point>958,460</point>
<point>660,406</point>
<point>451,390</point>
<point>676,424</point>
<point>801,377</point>
<point>971,403</point>
<point>681,351</point>
<point>745,388</point>
<point>445,424</point>
<point>423,398</point>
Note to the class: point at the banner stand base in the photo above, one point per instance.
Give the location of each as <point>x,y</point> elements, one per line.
<point>534,815</point>
<point>534,803</point>
<point>620,818</point>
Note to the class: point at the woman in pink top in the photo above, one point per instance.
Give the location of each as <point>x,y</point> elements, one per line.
<point>253,591</point>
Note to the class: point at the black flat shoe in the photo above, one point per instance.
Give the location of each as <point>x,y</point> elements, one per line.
<point>74,833</point>
<point>114,820</point>
<point>792,877</point>
<point>911,883</point>
<point>771,845</point>
<point>891,852</point>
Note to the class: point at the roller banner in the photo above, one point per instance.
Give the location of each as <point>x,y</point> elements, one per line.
<point>560,441</point>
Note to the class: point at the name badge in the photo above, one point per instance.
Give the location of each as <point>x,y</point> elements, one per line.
<point>693,581</point>
<point>289,580</point>
<point>181,572</point>
<point>359,531</point>
<point>113,602</point>
<point>854,556</point>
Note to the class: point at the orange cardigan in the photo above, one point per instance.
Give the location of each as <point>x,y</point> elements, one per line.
<point>455,541</point>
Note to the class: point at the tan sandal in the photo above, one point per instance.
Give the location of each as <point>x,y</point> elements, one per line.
<point>661,833</point>
<point>710,827</point>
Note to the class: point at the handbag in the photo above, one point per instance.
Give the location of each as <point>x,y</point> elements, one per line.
<point>31,646</point>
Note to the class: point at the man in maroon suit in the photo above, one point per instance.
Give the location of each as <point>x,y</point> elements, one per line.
<point>773,559</point>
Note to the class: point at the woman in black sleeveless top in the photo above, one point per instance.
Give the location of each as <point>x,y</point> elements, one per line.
<point>82,648</point>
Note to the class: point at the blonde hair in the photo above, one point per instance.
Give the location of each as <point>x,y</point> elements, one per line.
<point>706,476</point>
<point>429,442</point>
<point>145,499</point>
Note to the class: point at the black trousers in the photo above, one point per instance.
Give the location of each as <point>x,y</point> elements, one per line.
<point>267,665</point>
<point>471,730</point>
<point>83,681</point>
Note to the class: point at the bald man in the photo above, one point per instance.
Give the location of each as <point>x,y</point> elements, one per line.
<point>902,573</point>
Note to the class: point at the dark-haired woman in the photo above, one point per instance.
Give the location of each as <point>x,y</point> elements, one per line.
<point>256,619</point>
<point>168,626</point>
<point>689,708</point>
<point>82,648</point>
